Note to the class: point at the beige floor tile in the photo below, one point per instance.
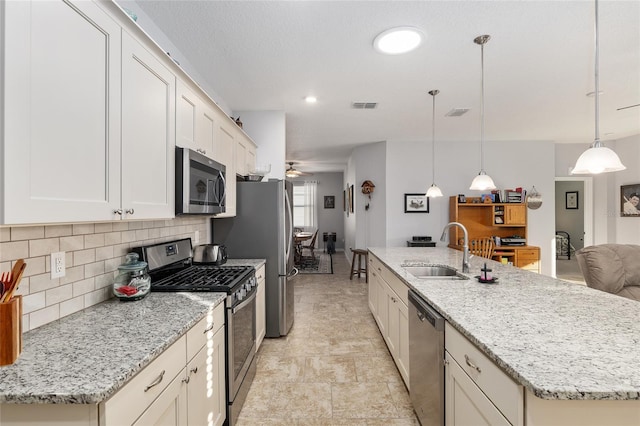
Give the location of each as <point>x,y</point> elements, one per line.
<point>362,400</point>
<point>333,368</point>
<point>273,368</point>
<point>330,369</point>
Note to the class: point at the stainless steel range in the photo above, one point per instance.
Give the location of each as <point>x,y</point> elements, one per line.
<point>171,269</point>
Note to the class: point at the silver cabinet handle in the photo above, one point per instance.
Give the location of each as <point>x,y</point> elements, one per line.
<point>470,364</point>
<point>129,211</point>
<point>118,211</point>
<point>155,382</point>
<point>186,379</point>
<point>194,370</point>
<point>209,328</point>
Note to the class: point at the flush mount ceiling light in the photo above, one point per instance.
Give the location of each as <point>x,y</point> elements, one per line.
<point>396,41</point>
<point>311,99</point>
<point>598,158</point>
<point>433,190</point>
<point>483,181</point>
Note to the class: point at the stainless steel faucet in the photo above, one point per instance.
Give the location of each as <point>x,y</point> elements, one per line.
<point>465,247</point>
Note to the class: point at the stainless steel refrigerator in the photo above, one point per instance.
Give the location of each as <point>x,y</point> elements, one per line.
<point>263,228</point>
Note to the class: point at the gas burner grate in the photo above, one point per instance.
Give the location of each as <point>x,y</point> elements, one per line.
<point>203,278</point>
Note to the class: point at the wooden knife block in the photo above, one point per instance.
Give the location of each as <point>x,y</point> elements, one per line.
<point>10,330</point>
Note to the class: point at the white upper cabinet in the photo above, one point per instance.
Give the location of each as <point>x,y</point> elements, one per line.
<point>225,148</point>
<point>148,134</point>
<point>195,121</point>
<point>61,140</point>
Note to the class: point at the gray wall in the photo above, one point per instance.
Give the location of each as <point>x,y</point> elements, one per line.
<point>570,220</point>
<point>329,220</point>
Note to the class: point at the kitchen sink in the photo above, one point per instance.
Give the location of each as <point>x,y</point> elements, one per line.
<point>438,272</point>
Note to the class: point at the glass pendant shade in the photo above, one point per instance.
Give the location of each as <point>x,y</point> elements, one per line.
<point>434,191</point>
<point>597,159</point>
<point>482,182</point>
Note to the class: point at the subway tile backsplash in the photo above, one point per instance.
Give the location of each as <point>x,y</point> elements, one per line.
<point>93,252</point>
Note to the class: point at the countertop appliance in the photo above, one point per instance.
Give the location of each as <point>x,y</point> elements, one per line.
<point>263,228</point>
<point>171,269</point>
<point>200,183</point>
<point>516,240</point>
<point>426,358</point>
<point>210,254</point>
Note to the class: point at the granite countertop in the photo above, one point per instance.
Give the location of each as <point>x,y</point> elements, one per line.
<point>86,357</point>
<point>560,340</point>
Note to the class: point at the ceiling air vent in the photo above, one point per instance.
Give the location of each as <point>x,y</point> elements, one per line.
<point>457,112</point>
<point>364,105</point>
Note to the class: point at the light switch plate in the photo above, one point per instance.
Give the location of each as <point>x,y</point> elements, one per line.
<point>57,264</point>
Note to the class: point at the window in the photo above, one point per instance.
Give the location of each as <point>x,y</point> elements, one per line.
<point>304,205</point>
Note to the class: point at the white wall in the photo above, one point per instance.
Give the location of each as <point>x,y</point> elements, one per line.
<point>267,129</point>
<point>371,224</point>
<point>350,221</point>
<point>627,229</point>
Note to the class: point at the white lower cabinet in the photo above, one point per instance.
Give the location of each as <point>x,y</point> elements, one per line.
<point>478,391</point>
<point>391,313</point>
<point>185,385</point>
<point>261,319</point>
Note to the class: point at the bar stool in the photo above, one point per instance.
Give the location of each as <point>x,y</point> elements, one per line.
<point>360,253</point>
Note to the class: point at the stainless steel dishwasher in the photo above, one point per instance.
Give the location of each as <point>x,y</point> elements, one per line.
<point>426,361</point>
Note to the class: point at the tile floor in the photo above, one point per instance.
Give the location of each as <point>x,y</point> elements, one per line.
<point>333,368</point>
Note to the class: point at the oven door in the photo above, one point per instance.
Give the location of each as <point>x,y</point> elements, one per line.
<point>241,341</point>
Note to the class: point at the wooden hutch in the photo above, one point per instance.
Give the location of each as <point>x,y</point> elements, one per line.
<point>491,220</point>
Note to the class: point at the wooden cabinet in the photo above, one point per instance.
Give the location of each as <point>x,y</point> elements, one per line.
<point>391,313</point>
<point>261,319</point>
<point>510,215</point>
<point>61,141</point>
<point>148,135</point>
<point>476,390</point>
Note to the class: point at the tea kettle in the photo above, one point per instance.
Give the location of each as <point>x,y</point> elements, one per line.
<point>210,254</point>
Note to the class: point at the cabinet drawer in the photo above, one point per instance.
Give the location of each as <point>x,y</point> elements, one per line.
<point>505,394</point>
<point>389,277</point>
<point>133,398</point>
<point>528,254</point>
<point>198,335</point>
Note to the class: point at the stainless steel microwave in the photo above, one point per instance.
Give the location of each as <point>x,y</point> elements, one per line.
<point>200,183</point>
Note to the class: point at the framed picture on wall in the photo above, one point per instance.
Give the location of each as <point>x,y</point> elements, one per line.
<point>344,201</point>
<point>329,201</point>
<point>629,200</point>
<point>571,200</point>
<point>351,198</point>
<point>416,203</point>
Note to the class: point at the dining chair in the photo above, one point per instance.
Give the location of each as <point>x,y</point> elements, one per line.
<point>482,247</point>
<point>312,244</point>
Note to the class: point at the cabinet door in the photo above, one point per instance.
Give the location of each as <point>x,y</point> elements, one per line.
<point>206,131</point>
<point>465,404</point>
<point>382,308</point>
<point>170,408</point>
<point>398,334</point>
<point>206,401</point>
<point>62,112</point>
<point>261,321</point>
<point>251,158</point>
<point>515,215</point>
<point>186,116</point>
<point>373,292</point>
<point>241,155</point>
<point>148,135</point>
<point>225,147</point>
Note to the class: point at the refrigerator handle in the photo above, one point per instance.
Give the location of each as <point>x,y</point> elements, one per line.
<point>293,273</point>
<point>290,230</point>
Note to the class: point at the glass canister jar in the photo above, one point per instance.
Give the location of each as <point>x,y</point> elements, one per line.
<point>133,281</point>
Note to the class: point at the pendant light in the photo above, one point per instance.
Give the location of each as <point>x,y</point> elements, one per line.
<point>483,181</point>
<point>598,158</point>
<point>433,190</point>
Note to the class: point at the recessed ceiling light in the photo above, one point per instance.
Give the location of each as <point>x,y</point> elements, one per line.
<point>311,99</point>
<point>398,40</point>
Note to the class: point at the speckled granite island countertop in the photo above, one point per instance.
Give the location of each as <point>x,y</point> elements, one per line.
<point>558,339</point>
<point>86,357</point>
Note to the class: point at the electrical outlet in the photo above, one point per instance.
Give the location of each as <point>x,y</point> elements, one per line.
<point>196,237</point>
<point>57,264</point>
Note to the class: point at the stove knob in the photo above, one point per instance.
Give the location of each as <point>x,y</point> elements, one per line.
<point>242,293</point>
<point>253,281</point>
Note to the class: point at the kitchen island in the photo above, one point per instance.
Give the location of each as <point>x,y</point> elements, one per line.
<point>571,348</point>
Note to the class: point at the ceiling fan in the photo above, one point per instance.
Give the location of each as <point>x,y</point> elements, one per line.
<point>292,173</point>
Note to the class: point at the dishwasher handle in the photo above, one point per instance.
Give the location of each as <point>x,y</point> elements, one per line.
<point>426,312</point>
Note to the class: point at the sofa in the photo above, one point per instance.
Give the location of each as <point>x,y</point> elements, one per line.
<point>614,268</point>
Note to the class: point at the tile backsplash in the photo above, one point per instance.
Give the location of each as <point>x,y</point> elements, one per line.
<point>93,252</point>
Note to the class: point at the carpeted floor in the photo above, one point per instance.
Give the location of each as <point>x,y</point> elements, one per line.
<point>320,264</point>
